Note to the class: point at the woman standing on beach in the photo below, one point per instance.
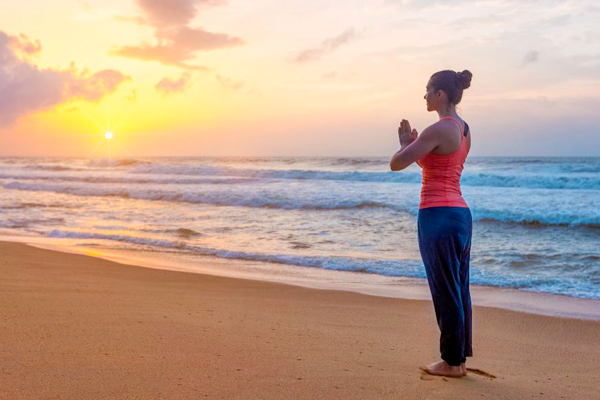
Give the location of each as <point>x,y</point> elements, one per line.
<point>444,221</point>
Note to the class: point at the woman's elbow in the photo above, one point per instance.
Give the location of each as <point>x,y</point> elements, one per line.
<point>396,166</point>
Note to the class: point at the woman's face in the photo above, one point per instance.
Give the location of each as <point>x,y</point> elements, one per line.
<point>432,97</point>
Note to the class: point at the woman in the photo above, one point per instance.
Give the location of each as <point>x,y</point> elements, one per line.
<point>444,222</point>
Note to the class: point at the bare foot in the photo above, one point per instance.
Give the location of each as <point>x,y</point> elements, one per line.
<point>441,368</point>
<point>463,368</point>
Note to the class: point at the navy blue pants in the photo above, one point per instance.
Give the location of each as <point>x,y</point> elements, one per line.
<point>445,245</point>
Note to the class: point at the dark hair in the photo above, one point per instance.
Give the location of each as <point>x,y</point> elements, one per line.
<point>452,83</point>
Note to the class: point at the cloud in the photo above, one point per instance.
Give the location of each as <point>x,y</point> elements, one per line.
<point>25,88</point>
<point>166,13</point>
<point>18,47</point>
<point>229,83</point>
<point>168,54</point>
<point>168,86</point>
<point>193,39</point>
<point>176,46</point>
<point>328,46</point>
<point>531,57</point>
<point>133,20</point>
<point>175,43</point>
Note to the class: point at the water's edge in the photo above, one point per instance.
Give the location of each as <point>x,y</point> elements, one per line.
<point>368,284</point>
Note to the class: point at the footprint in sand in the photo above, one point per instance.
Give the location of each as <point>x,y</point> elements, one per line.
<point>426,377</point>
<point>480,372</point>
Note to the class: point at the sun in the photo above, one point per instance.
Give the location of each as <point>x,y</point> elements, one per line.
<point>107,131</point>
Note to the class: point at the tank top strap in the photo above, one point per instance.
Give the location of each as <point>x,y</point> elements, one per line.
<point>456,122</point>
<point>464,132</point>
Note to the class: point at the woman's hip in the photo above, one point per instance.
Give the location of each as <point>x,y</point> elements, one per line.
<point>442,222</point>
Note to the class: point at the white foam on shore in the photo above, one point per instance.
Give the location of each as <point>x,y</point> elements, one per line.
<point>369,284</point>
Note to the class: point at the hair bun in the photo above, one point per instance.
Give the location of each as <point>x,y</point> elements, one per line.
<point>464,79</point>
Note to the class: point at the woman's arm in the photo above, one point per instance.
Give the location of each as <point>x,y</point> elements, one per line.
<point>424,144</point>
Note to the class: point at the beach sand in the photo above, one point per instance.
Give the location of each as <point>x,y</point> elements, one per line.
<point>79,327</point>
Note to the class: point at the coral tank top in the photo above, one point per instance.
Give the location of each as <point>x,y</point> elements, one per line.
<point>441,175</point>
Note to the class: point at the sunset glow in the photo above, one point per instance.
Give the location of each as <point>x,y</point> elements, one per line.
<point>209,79</point>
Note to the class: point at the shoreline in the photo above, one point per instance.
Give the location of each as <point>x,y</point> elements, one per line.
<point>84,327</point>
<point>370,284</point>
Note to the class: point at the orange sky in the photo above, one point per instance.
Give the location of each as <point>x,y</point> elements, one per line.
<point>189,77</point>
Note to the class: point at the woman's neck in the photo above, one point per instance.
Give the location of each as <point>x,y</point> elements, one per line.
<point>449,111</point>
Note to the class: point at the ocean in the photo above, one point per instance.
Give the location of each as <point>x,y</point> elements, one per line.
<point>536,219</point>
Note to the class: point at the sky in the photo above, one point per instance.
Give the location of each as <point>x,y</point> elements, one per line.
<point>294,77</point>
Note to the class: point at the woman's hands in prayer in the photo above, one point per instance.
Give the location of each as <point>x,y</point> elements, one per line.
<point>406,135</point>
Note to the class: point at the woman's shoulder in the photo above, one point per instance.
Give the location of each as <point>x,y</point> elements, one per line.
<point>450,124</point>
<point>447,135</point>
<point>440,129</point>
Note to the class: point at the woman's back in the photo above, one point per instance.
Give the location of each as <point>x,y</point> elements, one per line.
<point>442,172</point>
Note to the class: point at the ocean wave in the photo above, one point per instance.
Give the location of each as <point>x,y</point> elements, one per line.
<point>363,162</point>
<point>569,286</point>
<point>54,168</point>
<point>214,198</point>
<point>384,267</point>
<point>547,216</point>
<point>73,164</point>
<point>538,222</point>
<point>57,233</point>
<point>482,173</point>
<point>125,179</point>
<point>297,174</point>
<point>28,205</point>
<point>31,222</point>
<point>183,232</point>
<point>116,162</point>
<point>532,181</point>
<point>469,178</point>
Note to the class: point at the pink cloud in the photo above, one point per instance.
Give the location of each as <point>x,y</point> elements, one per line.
<point>175,43</point>
<point>328,46</point>
<point>25,88</point>
<point>167,86</point>
<point>168,54</point>
<point>21,46</point>
<point>193,39</point>
<point>165,13</point>
<point>177,46</point>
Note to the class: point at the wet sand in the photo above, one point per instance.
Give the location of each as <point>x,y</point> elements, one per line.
<point>75,326</point>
